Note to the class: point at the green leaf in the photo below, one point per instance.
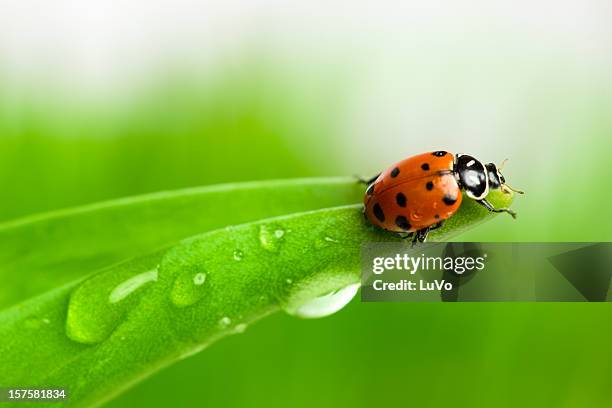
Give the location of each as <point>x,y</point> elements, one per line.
<point>44,251</point>
<point>100,335</point>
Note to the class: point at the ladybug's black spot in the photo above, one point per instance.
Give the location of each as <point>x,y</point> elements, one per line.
<point>394,172</point>
<point>437,216</point>
<point>370,190</point>
<point>449,200</point>
<point>425,166</point>
<point>429,185</point>
<point>403,223</point>
<point>378,212</point>
<point>401,199</point>
<point>439,153</point>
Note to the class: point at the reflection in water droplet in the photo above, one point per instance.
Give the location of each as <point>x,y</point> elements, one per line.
<point>325,305</point>
<point>330,239</point>
<point>270,238</point>
<point>188,288</point>
<point>100,304</point>
<point>289,281</point>
<point>238,254</point>
<point>127,287</point>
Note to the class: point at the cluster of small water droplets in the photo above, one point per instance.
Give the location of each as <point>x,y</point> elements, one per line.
<point>226,323</point>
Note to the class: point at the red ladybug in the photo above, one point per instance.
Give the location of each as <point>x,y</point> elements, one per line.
<point>417,194</point>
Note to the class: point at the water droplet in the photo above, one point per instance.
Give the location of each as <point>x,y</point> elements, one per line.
<point>289,281</point>
<point>36,322</point>
<point>188,287</point>
<point>271,237</point>
<point>193,351</point>
<point>225,322</point>
<point>325,242</point>
<point>199,278</point>
<point>325,305</point>
<point>100,304</point>
<point>240,328</point>
<point>320,244</point>
<point>238,254</point>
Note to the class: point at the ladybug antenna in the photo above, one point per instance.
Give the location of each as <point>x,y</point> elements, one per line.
<point>504,185</point>
<point>502,164</point>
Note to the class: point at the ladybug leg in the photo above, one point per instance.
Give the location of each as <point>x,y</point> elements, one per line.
<point>361,180</point>
<point>490,207</point>
<point>420,236</point>
<point>414,241</point>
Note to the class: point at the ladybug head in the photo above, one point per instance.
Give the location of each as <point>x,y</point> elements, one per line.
<point>497,179</point>
<point>472,176</point>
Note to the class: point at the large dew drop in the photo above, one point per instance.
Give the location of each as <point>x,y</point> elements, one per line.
<point>325,305</point>
<point>101,303</point>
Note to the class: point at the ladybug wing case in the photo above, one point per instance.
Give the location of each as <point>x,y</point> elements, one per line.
<point>415,204</point>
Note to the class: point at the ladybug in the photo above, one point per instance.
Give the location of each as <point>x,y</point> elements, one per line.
<point>417,194</point>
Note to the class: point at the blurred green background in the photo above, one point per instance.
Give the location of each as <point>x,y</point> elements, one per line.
<point>351,99</point>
